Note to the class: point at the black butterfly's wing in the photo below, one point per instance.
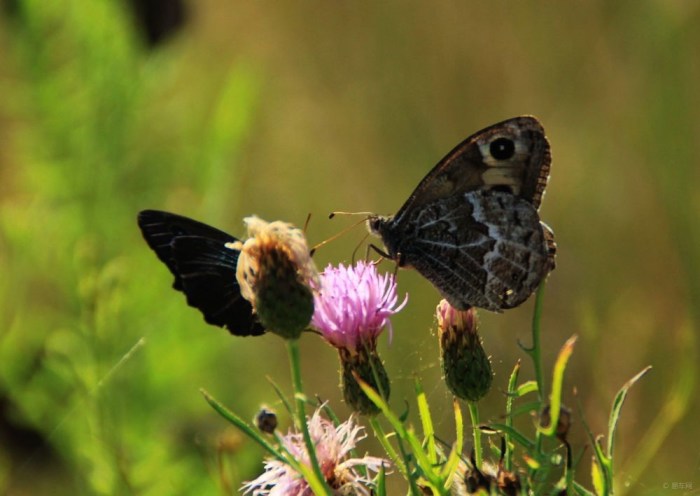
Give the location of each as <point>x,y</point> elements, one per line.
<point>483,249</point>
<point>207,270</point>
<point>160,229</point>
<point>511,156</point>
<point>204,268</point>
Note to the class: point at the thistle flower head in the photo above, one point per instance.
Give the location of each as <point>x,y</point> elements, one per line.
<point>351,310</point>
<point>466,366</point>
<point>275,273</point>
<point>354,305</point>
<point>333,444</point>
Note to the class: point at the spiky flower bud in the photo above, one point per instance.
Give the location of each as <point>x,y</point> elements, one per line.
<point>275,272</point>
<point>367,365</point>
<point>466,367</point>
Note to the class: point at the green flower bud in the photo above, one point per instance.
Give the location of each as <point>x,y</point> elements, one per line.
<point>465,365</point>
<point>368,367</point>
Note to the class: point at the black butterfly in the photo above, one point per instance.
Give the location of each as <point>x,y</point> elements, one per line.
<point>471,227</point>
<point>204,268</point>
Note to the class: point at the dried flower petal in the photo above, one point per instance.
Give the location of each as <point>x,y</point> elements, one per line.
<point>333,445</point>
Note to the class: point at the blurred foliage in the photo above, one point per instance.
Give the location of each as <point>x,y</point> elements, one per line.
<point>281,109</point>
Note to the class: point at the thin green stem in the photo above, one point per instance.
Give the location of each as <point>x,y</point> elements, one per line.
<point>318,483</point>
<point>390,451</point>
<point>536,355</point>
<point>536,351</point>
<point>512,391</point>
<point>476,432</point>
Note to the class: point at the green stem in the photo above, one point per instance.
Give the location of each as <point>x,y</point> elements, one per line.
<point>512,390</point>
<point>536,350</point>
<point>381,437</point>
<point>536,354</point>
<point>474,414</point>
<point>318,483</point>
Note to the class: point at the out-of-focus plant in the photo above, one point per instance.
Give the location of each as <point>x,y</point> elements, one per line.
<point>98,135</point>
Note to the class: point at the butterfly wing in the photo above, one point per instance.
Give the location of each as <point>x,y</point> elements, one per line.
<point>484,249</point>
<point>204,268</point>
<point>511,156</point>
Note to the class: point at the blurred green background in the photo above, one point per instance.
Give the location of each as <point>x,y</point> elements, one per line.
<point>281,109</point>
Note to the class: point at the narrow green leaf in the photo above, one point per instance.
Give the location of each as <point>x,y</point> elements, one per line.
<point>526,388</point>
<point>448,471</point>
<point>405,434</point>
<point>476,433</point>
<point>557,384</point>
<point>598,478</point>
<point>384,441</point>
<point>601,458</point>
<point>515,435</point>
<point>512,381</point>
<point>381,482</point>
<point>525,408</point>
<point>249,431</point>
<point>427,422</point>
<point>617,407</point>
<point>281,396</point>
<point>582,491</point>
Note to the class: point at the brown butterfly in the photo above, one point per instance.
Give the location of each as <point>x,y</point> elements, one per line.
<point>471,227</point>
<point>204,265</point>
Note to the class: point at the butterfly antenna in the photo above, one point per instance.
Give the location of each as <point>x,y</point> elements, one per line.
<point>338,212</point>
<point>335,236</point>
<point>306,224</point>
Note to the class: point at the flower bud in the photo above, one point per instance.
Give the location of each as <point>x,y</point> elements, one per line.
<point>466,367</point>
<point>266,420</point>
<point>275,271</point>
<point>367,365</point>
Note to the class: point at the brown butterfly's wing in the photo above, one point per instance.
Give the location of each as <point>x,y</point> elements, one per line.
<point>511,156</point>
<point>204,268</point>
<point>485,249</point>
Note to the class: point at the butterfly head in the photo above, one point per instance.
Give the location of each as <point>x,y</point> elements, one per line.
<point>376,223</point>
<point>383,227</point>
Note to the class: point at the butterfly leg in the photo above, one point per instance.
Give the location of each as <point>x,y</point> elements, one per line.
<point>378,250</point>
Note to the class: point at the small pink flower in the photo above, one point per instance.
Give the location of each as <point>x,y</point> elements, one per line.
<point>333,444</point>
<point>354,305</point>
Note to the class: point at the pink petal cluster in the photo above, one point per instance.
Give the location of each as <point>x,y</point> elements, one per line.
<point>354,305</point>
<point>333,443</point>
<point>449,317</point>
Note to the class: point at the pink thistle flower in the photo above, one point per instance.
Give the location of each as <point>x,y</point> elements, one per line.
<point>333,444</point>
<point>351,310</point>
<point>354,304</point>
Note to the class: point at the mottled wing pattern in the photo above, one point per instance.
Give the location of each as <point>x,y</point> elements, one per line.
<point>204,268</point>
<point>482,248</point>
<point>512,156</point>
<point>471,225</point>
